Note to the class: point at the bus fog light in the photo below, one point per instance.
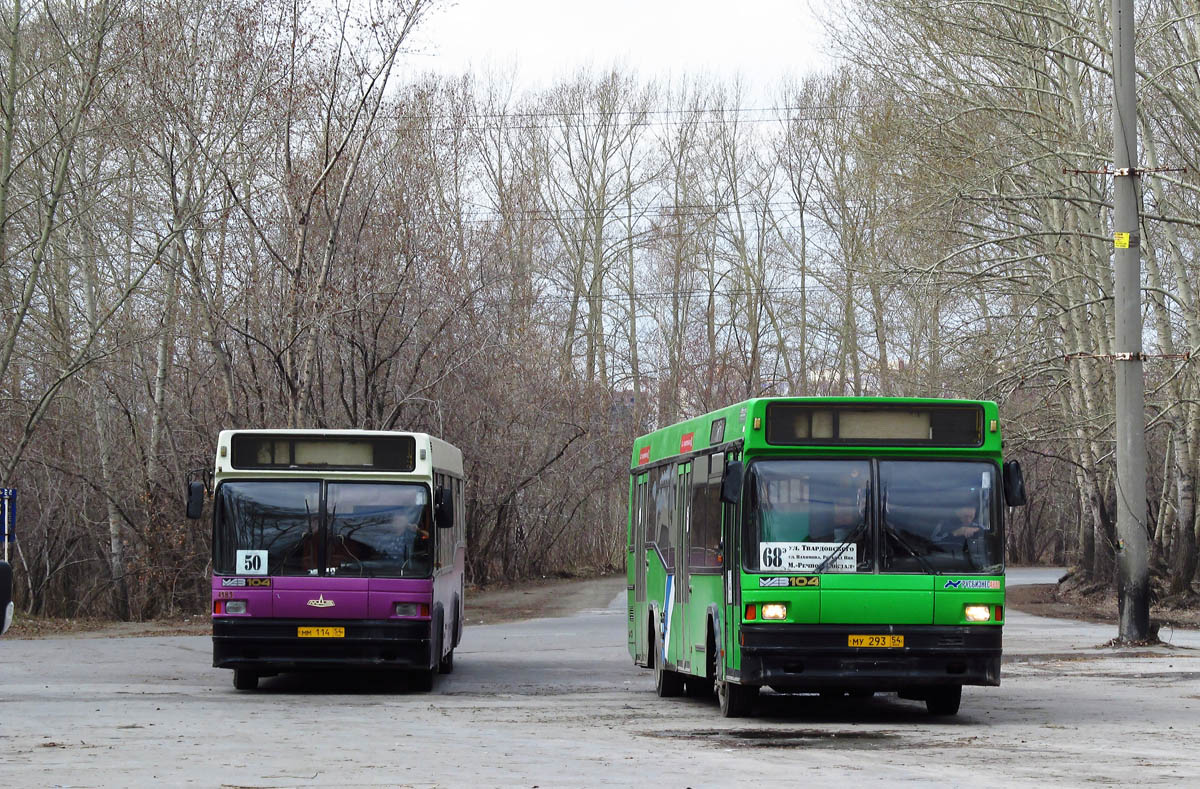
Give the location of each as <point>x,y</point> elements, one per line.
<point>235,606</point>
<point>977,613</point>
<point>774,611</point>
<point>407,609</point>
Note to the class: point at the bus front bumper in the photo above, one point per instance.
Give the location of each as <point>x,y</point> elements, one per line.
<point>817,657</point>
<point>273,645</point>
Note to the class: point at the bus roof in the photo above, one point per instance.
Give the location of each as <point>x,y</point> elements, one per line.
<point>886,424</point>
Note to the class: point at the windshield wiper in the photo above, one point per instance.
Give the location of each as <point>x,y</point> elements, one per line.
<point>895,535</point>
<point>850,538</point>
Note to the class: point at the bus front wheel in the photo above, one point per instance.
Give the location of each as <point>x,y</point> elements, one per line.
<point>737,701</point>
<point>944,701</point>
<point>244,680</point>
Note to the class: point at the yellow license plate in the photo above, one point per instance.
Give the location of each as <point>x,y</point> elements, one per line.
<point>321,632</point>
<point>887,642</point>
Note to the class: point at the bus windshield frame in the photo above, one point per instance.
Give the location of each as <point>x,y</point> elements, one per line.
<point>325,527</point>
<point>872,515</point>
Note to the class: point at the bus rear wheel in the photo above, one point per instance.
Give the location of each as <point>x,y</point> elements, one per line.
<point>244,679</point>
<point>737,701</point>
<point>944,701</point>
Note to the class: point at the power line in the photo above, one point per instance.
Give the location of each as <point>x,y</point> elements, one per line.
<point>531,120</point>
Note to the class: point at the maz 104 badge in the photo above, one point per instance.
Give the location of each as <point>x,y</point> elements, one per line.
<point>251,562</point>
<point>775,581</point>
<point>805,557</point>
<point>244,582</point>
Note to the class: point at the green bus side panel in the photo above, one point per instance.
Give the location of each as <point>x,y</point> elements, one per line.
<point>676,646</point>
<point>633,613</point>
<point>656,582</point>
<point>706,590</point>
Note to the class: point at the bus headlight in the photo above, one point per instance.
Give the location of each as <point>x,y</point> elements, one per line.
<point>774,611</point>
<point>235,606</point>
<point>407,609</point>
<point>977,613</point>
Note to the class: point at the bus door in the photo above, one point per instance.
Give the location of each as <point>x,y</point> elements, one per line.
<point>732,568</point>
<point>637,563</point>
<point>679,617</point>
<point>704,555</point>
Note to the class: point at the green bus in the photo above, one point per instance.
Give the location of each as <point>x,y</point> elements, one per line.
<point>827,545</point>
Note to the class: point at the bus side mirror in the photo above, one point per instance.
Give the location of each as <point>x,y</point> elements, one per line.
<point>443,508</point>
<point>731,483</point>
<point>6,605</point>
<point>195,500</point>
<point>1014,484</point>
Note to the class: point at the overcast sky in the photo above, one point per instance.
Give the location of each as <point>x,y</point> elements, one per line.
<point>763,40</point>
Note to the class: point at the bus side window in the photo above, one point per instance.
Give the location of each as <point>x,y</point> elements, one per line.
<point>460,512</point>
<point>662,501</point>
<point>705,540</point>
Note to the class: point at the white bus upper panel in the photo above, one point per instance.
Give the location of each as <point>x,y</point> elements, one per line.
<point>361,454</point>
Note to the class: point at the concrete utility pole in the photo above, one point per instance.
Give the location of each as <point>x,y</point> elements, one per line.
<point>1133,589</point>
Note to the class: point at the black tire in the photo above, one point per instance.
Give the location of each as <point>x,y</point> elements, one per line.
<point>944,701</point>
<point>422,679</point>
<point>446,664</point>
<point>666,682</point>
<point>737,701</point>
<point>244,679</point>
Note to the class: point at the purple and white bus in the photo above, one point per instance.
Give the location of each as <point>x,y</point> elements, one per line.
<point>335,549</point>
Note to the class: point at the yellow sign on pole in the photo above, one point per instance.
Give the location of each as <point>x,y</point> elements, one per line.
<point>1120,240</point>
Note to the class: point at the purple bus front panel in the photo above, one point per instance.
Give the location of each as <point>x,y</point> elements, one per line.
<point>297,623</point>
<point>322,598</point>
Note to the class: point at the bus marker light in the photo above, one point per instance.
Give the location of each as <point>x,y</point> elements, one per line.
<point>774,611</point>
<point>977,613</point>
<point>999,613</point>
<point>751,611</point>
<point>216,606</point>
<point>235,606</point>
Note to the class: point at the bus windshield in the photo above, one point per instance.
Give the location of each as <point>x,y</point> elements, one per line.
<point>369,529</point>
<point>804,512</point>
<point>938,516</point>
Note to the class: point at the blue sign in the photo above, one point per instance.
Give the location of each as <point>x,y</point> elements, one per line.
<point>8,513</point>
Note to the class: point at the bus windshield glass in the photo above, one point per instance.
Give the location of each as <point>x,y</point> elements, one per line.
<point>809,514</point>
<point>369,529</point>
<point>939,516</point>
<point>379,530</point>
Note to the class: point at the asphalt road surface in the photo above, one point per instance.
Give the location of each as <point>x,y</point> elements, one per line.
<point>557,702</point>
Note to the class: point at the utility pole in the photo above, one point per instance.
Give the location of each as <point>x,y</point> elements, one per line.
<point>1133,586</point>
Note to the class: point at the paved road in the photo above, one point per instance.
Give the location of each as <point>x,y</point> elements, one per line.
<point>1025,576</point>
<point>556,702</point>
